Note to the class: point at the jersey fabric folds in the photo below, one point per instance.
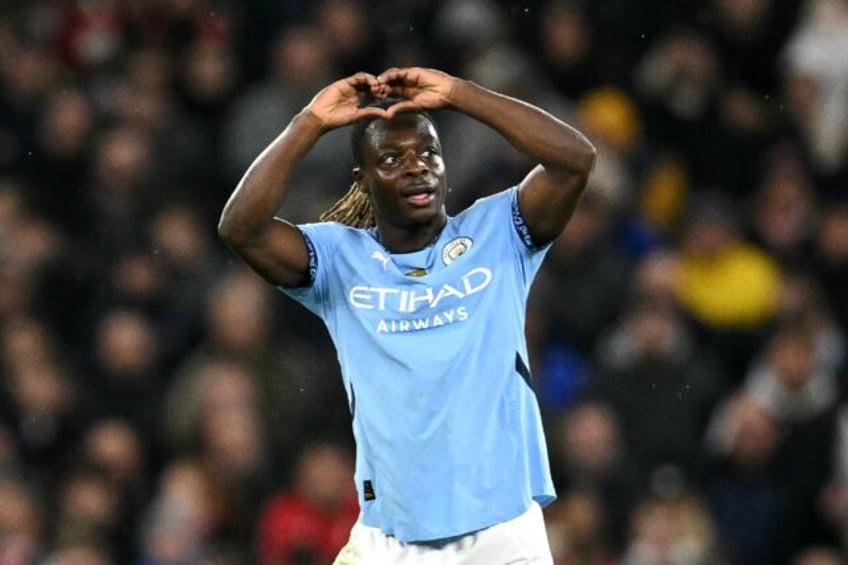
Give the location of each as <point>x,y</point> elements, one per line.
<point>434,360</point>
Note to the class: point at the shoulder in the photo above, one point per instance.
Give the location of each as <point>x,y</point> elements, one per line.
<point>326,241</point>
<point>331,233</point>
<point>485,206</point>
<point>492,213</point>
<point>501,198</point>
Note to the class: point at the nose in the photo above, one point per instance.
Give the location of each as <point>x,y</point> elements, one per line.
<point>414,164</point>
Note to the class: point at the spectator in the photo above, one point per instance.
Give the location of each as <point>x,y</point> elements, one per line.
<point>783,215</point>
<point>588,456</point>
<point>120,191</point>
<point>237,328</point>
<point>789,380</point>
<point>747,35</point>
<point>207,73</point>
<point>566,46</point>
<point>300,64</point>
<point>126,376</point>
<point>801,394</point>
<point>114,452</point>
<point>672,529</point>
<point>677,82</point>
<point>775,446</point>
<point>586,263</point>
<point>713,257</point>
<point>64,135</point>
<point>233,445</point>
<point>187,518</point>
<point>744,441</point>
<point>802,302</point>
<point>89,511</point>
<point>351,42</point>
<point>650,373</point>
<point>184,264</point>
<point>816,72</point>
<point>309,522</point>
<point>22,521</point>
<point>40,397</point>
<point>577,530</point>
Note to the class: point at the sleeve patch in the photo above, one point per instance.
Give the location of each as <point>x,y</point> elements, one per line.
<point>520,225</point>
<point>313,258</point>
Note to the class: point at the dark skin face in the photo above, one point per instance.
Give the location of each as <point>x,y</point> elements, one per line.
<point>403,171</point>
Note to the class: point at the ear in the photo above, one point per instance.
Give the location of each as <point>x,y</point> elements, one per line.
<point>358,178</point>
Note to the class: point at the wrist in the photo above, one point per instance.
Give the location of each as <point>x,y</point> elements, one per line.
<point>460,92</point>
<point>309,120</point>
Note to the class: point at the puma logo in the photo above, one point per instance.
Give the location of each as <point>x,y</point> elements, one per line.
<point>381,258</point>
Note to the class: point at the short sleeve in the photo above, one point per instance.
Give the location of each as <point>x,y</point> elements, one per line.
<point>320,239</point>
<point>500,216</point>
<point>530,254</point>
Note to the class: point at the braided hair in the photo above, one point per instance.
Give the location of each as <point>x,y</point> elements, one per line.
<point>354,208</point>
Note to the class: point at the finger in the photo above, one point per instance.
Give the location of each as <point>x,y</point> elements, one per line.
<point>363,81</point>
<point>370,112</point>
<point>381,90</point>
<point>402,91</point>
<point>403,106</point>
<point>393,74</point>
<point>364,77</point>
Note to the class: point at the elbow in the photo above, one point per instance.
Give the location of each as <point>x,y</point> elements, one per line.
<point>589,155</point>
<point>576,156</point>
<point>229,232</point>
<point>578,166</point>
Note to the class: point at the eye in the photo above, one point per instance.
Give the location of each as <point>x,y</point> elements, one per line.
<point>430,153</point>
<point>389,160</point>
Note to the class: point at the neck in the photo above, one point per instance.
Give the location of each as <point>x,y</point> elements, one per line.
<point>406,239</point>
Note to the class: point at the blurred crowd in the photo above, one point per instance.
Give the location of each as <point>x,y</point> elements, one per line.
<point>161,405</point>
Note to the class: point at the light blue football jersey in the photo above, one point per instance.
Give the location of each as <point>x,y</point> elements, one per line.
<point>433,356</point>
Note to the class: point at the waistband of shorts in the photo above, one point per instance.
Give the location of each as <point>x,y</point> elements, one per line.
<point>441,542</point>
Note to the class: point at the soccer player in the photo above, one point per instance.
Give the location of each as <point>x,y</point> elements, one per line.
<point>426,311</point>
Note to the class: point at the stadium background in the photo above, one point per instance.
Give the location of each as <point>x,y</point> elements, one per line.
<point>161,405</point>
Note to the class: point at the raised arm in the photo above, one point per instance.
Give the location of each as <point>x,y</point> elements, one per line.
<point>274,248</point>
<point>551,191</point>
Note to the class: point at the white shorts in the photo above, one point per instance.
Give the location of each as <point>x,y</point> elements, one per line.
<point>519,541</point>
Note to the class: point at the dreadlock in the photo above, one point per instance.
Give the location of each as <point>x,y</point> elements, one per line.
<point>354,208</point>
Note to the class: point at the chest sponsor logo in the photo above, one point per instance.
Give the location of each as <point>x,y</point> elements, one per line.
<point>423,307</point>
<point>410,300</point>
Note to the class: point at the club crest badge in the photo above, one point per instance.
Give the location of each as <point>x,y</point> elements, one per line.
<point>455,248</point>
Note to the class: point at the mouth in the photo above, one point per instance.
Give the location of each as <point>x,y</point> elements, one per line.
<point>419,195</point>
